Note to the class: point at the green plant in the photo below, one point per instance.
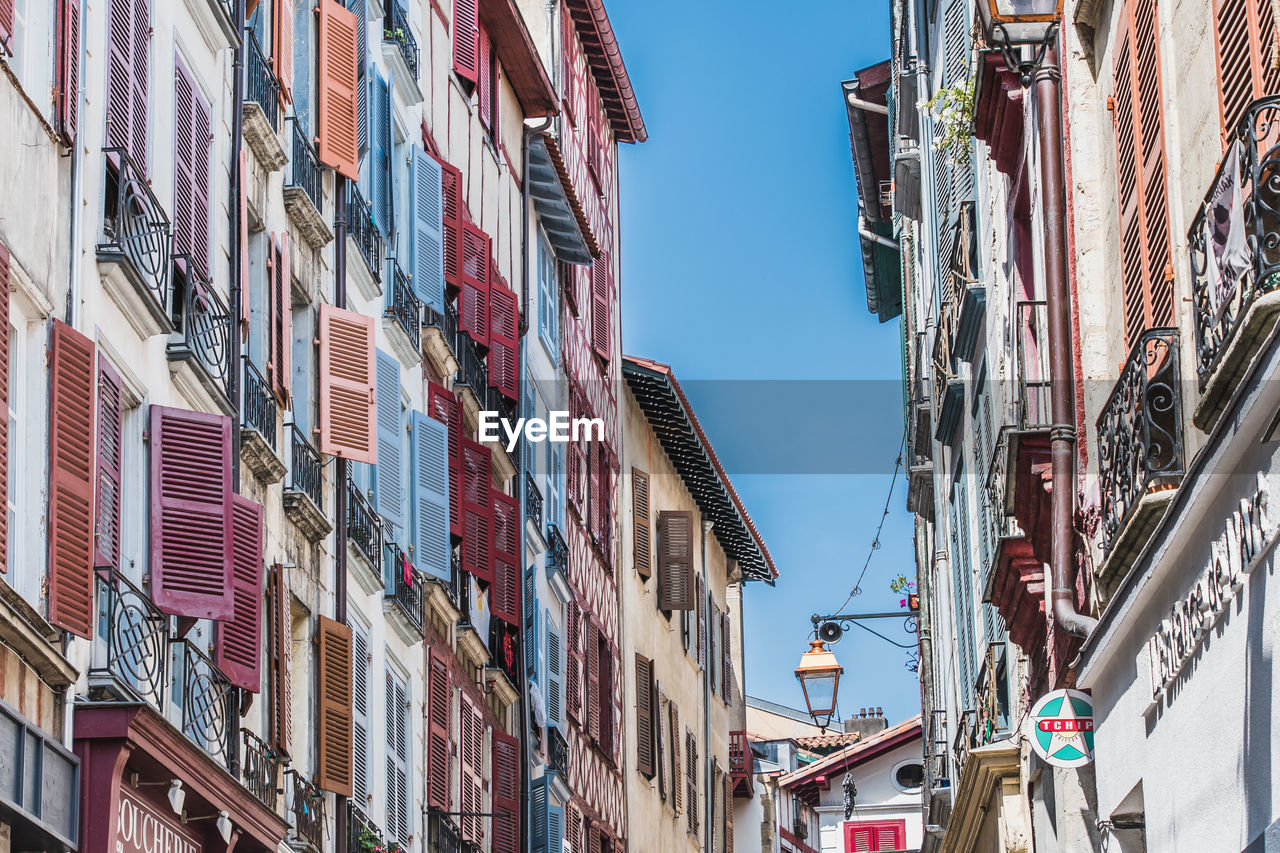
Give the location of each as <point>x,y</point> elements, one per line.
<point>369,842</point>
<point>901,584</point>
<point>952,107</point>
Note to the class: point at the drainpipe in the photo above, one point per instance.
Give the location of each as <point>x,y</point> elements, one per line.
<point>708,759</point>
<point>1062,436</point>
<point>73,244</point>
<point>237,284</point>
<point>340,464</point>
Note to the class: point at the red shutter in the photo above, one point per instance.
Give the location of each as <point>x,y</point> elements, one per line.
<point>282,325</point>
<point>506,793</point>
<point>594,703</point>
<point>484,71</point>
<point>451,182</point>
<point>191,537</point>
<point>600,308</point>
<point>281,661</point>
<point>282,48</point>
<point>68,64</point>
<point>445,407</point>
<point>573,678</point>
<point>466,38</point>
<point>438,750</point>
<point>243,202</point>
<point>6,20</point>
<point>728,813</point>
<point>337,107</point>
<point>106,536</point>
<point>238,642</point>
<point>641,549</point>
<point>869,835</point>
<point>595,490</point>
<point>477,512</point>
<point>128,54</point>
<point>473,309</point>
<point>4,401</point>
<point>334,765</point>
<point>505,598</point>
<point>71,469</point>
<point>347,385</point>
<point>504,342</point>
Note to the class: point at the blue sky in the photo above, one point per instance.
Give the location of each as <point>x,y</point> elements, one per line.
<point>740,262</point>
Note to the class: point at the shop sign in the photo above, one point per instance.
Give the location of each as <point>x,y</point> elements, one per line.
<point>143,827</point>
<point>1247,535</point>
<point>1060,728</point>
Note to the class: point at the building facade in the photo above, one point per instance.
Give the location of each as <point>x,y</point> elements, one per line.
<point>1134,567</point>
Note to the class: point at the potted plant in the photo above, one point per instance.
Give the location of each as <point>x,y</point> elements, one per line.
<point>904,586</point>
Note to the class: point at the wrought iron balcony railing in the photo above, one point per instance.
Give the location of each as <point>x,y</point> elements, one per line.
<point>443,833</point>
<point>557,551</point>
<point>204,322</point>
<point>965,739</point>
<point>557,752</point>
<point>306,470</point>
<point>260,83</point>
<point>1140,429</point>
<point>532,501</point>
<point>307,806</point>
<point>1229,271</point>
<point>131,645</point>
<point>208,703</point>
<point>362,230</point>
<point>362,833</point>
<point>405,586</point>
<point>936,771</point>
<point>259,404</point>
<point>364,530</point>
<point>1032,364</point>
<point>136,228</point>
<point>402,304</point>
<point>259,769</point>
<point>305,171</point>
<point>471,368</point>
<point>395,29</point>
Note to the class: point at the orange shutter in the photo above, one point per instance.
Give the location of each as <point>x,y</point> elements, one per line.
<point>338,109</point>
<point>71,467</point>
<point>1245,38</point>
<point>334,772</point>
<point>347,397</point>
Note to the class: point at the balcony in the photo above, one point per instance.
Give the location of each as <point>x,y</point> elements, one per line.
<point>405,593</point>
<point>1013,581</point>
<point>364,529</point>
<point>969,292</point>
<point>199,348</point>
<point>260,769</point>
<point>1140,460</point>
<point>363,241</point>
<point>532,502</point>
<point>442,832</point>
<point>136,252</point>
<point>208,704</point>
<point>557,552</point>
<point>363,835</point>
<point>259,426</point>
<point>1234,288</point>
<point>304,490</point>
<point>306,803</point>
<point>304,188</point>
<point>400,50</point>
<point>936,769</point>
<point>741,764</point>
<point>261,108</point>
<point>557,753</point>
<point>948,384</point>
<point>404,314</point>
<point>439,336</point>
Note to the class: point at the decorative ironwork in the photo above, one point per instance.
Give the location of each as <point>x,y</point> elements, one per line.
<point>936,757</point>
<point>532,501</point>
<point>403,304</point>
<point>471,369</point>
<point>261,86</point>
<point>259,404</point>
<point>1034,379</point>
<point>1140,429</point>
<point>204,322</point>
<point>395,29</point>
<point>443,832</point>
<point>557,752</point>
<point>362,833</point>
<point>207,702</point>
<point>965,739</point>
<point>1222,292</point>
<point>307,805</point>
<point>306,471</point>
<point>405,586</point>
<point>363,528</point>
<point>557,551</point>
<point>361,229</point>
<point>259,768</point>
<point>130,650</point>
<point>305,170</point>
<point>136,227</point>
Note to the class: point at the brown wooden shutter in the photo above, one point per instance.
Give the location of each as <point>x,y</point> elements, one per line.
<point>1245,34</point>
<point>337,102</point>
<point>608,741</point>
<point>593,680</point>
<point>438,750</point>
<point>572,828</point>
<point>675,560</point>
<point>600,305</point>
<point>691,778</point>
<point>642,551</point>
<point>677,768</point>
<point>466,39</point>
<point>71,471</point>
<point>1140,159</point>
<point>348,397</point>
<point>477,511</point>
<point>238,642</point>
<point>334,764</point>
<point>4,402</point>
<point>700,603</point>
<point>728,813</point>
<point>506,793</point>
<point>281,661</point>
<point>726,659</point>
<point>106,535</point>
<point>644,715</point>
<point>573,677</point>
<point>281,331</point>
<point>282,47</point>
<point>68,65</point>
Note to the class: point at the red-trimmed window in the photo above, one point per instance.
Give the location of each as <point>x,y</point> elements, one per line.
<point>872,835</point>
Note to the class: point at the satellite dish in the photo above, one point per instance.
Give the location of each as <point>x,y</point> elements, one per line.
<point>830,632</point>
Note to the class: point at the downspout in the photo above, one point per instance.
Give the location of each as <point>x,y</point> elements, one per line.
<point>237,284</point>
<point>73,243</point>
<point>1062,436</point>
<point>340,463</point>
<point>708,759</point>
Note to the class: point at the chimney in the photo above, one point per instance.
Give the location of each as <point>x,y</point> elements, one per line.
<point>868,722</point>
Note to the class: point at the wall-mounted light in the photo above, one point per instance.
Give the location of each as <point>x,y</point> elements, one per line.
<point>223,823</point>
<point>177,795</point>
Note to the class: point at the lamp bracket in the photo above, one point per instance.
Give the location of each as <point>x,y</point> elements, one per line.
<point>1026,68</point>
<point>846,620</point>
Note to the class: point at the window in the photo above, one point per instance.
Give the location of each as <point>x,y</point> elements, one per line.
<point>870,836</point>
<point>360,709</point>
<point>398,739</point>
<point>548,298</point>
<point>908,777</point>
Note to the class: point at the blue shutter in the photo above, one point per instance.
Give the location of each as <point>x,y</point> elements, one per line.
<point>555,674</point>
<point>380,149</point>
<point>539,804</point>
<point>431,496</point>
<point>426,202</point>
<point>531,621</point>
<point>555,475</point>
<point>362,73</point>
<point>555,826</point>
<point>389,484</point>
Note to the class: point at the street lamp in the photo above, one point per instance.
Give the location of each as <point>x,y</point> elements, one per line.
<point>1010,24</point>
<point>819,676</point>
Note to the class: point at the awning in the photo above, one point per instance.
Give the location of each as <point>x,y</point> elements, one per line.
<point>551,201</point>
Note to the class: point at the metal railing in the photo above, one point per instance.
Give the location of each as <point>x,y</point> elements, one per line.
<point>395,29</point>
<point>305,170</point>
<point>259,404</point>
<point>363,834</point>
<point>1140,429</point>
<point>307,805</point>
<point>402,304</point>
<point>207,701</point>
<point>405,586</point>
<point>557,752</point>
<point>362,230</point>
<point>557,551</point>
<point>471,368</point>
<point>260,83</point>
<point>306,470</point>
<point>136,227</point>
<point>363,528</point>
<point>130,649</point>
<point>205,325</point>
<point>965,740</point>
<point>258,769</point>
<point>1230,271</point>
<point>532,501</point>
<point>442,831</point>
<point>1034,379</point>
<point>936,756</point>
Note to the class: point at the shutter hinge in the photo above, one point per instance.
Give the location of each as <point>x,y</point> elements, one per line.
<point>1111,104</point>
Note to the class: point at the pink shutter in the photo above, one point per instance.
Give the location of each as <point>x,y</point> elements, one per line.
<point>106,537</point>
<point>473,308</point>
<point>505,598</point>
<point>4,400</point>
<point>282,49</point>
<point>191,527</point>
<point>6,20</point>
<point>445,407</point>
<point>600,307</point>
<point>466,37</point>
<point>504,341</point>
<point>347,387</point>
<point>71,453</point>
<point>237,643</point>
<point>68,65</point>
<point>337,104</point>
<point>477,513</point>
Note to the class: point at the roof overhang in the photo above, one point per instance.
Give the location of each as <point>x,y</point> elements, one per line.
<point>555,211</point>
<point>605,60</point>
<point>519,58</point>
<point>672,420</point>
<point>556,156</point>
<point>808,782</point>
<point>867,105</point>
